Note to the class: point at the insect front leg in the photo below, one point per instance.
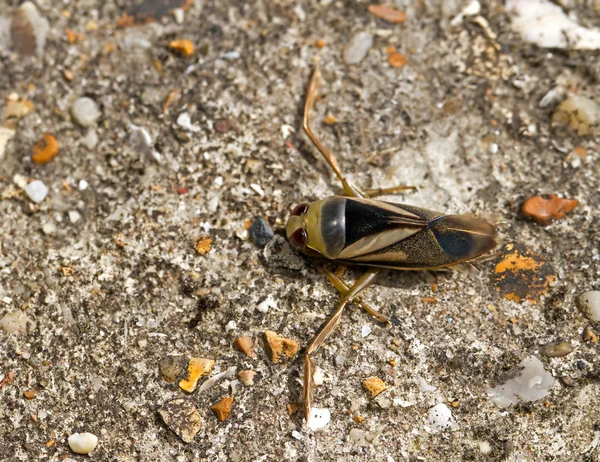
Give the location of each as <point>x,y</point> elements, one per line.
<point>311,95</point>
<point>344,289</point>
<point>361,284</point>
<point>391,190</point>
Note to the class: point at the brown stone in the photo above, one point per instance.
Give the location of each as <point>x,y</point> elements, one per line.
<point>171,367</point>
<point>247,377</point>
<point>546,208</point>
<point>222,408</point>
<point>182,417</point>
<point>278,347</point>
<point>374,385</point>
<point>245,345</point>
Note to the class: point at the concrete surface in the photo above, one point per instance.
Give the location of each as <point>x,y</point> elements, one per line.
<point>122,287</point>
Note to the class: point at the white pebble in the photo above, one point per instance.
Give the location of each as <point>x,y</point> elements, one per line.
<point>297,435</point>
<point>20,180</point>
<point>85,111</point>
<point>184,121</point>
<point>242,233</point>
<point>589,304</point>
<point>366,331</point>
<point>37,191</point>
<point>90,140</point>
<point>74,216</point>
<point>266,304</point>
<point>358,48</point>
<point>83,443</point>
<point>531,385</point>
<point>141,140</point>
<point>485,447</point>
<point>319,418</point>
<point>318,376</point>
<point>83,185</point>
<point>231,325</point>
<point>424,386</point>
<point>49,228</point>
<point>440,418</point>
<point>179,15</point>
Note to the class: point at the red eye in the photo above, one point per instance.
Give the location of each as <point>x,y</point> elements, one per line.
<point>300,209</point>
<point>299,238</point>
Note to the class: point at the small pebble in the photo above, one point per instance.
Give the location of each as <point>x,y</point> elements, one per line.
<point>297,435</point>
<point>224,125</point>
<point>358,48</point>
<point>208,384</point>
<point>83,443</point>
<point>260,232</point>
<point>223,408</point>
<point>45,150</point>
<point>185,121</point>
<point>358,435</point>
<point>29,30</point>
<point>83,185</point>
<point>266,304</point>
<point>202,244</point>
<point>231,325</point>
<point>485,447</point>
<point>589,304</point>
<point>319,418</point>
<point>589,335</point>
<point>49,228</point>
<point>440,417</point>
<point>382,401</point>
<point>182,417</point>
<point>245,345</point>
<point>74,216</point>
<point>85,111</point>
<point>178,15</point>
<point>37,191</point>
<point>387,13</point>
<point>374,385</point>
<point>242,233</point>
<point>546,208</point>
<point>29,394</point>
<point>247,377</point>
<point>140,140</point>
<point>366,331</point>
<point>318,376</point>
<point>197,367</point>
<point>90,140</point>
<point>557,350</point>
<point>16,322</point>
<point>340,360</point>
<point>279,347</point>
<point>579,113</point>
<point>171,367</point>
<point>182,47</point>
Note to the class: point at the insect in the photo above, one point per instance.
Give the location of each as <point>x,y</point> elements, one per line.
<point>355,229</point>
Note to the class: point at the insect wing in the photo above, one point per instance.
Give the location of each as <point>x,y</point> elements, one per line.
<point>415,238</point>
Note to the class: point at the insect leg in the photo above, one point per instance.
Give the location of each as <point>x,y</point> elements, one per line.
<point>311,95</point>
<point>344,289</point>
<point>391,190</point>
<point>362,283</point>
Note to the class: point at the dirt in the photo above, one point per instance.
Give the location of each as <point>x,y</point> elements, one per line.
<point>113,292</point>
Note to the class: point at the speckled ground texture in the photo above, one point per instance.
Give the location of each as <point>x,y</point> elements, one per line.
<point>460,120</point>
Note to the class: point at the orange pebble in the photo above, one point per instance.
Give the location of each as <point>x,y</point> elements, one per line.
<point>45,149</point>
<point>183,47</point>
<point>546,208</point>
<point>397,60</point>
<point>387,13</point>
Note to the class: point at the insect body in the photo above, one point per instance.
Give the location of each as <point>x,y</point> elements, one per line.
<point>354,229</point>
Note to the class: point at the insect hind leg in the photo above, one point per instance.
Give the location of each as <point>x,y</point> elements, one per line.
<point>344,289</point>
<point>312,92</point>
<point>309,385</point>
